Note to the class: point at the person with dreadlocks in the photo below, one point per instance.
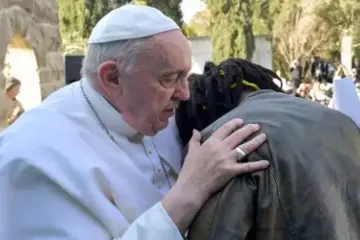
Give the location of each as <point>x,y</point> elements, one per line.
<point>311,189</point>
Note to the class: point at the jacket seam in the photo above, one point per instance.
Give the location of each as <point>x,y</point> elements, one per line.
<point>213,218</point>
<point>286,217</point>
<point>214,125</point>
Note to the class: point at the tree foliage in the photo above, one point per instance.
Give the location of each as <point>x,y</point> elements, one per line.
<point>231,28</point>
<point>71,14</point>
<point>200,25</point>
<point>299,32</point>
<point>298,29</point>
<point>78,18</point>
<point>170,8</point>
<point>343,16</point>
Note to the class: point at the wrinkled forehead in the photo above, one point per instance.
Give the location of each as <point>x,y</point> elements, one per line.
<point>168,52</point>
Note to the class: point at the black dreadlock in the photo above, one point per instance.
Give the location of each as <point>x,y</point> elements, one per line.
<point>219,90</point>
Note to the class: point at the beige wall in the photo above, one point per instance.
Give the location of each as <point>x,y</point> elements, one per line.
<point>201,52</point>
<point>263,52</point>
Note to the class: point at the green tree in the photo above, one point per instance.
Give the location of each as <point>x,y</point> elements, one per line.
<point>357,41</point>
<point>170,8</point>
<point>232,28</point>
<point>344,17</point>
<point>342,14</point>
<point>200,25</point>
<point>299,32</point>
<point>78,18</point>
<point>261,17</point>
<point>71,14</point>
<point>95,10</point>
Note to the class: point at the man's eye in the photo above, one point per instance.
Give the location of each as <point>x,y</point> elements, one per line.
<point>168,82</point>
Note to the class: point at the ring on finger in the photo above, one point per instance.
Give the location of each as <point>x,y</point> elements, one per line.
<point>240,153</point>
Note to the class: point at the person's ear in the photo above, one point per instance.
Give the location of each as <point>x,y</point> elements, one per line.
<point>109,75</point>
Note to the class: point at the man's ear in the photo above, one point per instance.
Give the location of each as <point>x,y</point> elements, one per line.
<point>109,75</point>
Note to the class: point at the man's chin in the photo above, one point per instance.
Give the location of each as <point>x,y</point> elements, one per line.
<point>167,114</point>
<point>162,124</point>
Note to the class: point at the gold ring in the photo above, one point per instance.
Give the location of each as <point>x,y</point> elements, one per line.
<point>241,154</point>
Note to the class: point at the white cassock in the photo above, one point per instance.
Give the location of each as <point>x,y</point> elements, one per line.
<point>346,99</point>
<point>62,177</point>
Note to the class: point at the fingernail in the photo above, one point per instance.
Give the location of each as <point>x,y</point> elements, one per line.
<point>262,136</point>
<point>265,163</point>
<point>256,127</point>
<point>239,121</point>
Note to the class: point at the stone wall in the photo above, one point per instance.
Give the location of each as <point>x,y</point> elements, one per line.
<point>37,22</point>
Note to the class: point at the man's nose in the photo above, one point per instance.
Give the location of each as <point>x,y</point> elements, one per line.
<point>182,91</point>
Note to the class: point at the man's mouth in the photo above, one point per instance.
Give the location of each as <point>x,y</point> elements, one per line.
<point>172,109</point>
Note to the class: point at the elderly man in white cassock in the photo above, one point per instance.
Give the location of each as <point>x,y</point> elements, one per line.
<point>100,159</point>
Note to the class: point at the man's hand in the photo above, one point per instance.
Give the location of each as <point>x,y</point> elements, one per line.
<point>210,166</point>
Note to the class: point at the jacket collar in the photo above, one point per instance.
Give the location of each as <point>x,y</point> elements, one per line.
<point>256,93</point>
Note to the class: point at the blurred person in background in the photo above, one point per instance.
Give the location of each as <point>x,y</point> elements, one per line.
<point>15,108</point>
<point>330,69</point>
<point>318,69</point>
<point>296,74</point>
<point>304,90</point>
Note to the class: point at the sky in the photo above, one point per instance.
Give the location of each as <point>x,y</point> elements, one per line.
<point>190,8</point>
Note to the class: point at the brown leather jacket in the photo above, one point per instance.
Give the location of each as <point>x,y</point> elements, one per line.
<point>310,191</point>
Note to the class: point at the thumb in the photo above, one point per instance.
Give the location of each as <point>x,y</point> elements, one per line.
<point>195,139</point>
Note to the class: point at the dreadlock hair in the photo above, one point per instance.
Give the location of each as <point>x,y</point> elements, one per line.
<point>218,91</point>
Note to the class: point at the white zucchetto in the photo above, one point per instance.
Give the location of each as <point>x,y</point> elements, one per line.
<point>130,22</point>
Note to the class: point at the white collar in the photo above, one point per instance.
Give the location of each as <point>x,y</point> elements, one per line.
<point>112,119</point>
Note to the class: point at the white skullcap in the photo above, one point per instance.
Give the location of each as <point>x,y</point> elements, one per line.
<point>130,22</point>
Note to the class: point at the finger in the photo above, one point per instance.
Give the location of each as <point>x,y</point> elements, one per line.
<point>248,167</point>
<point>226,129</point>
<point>195,139</point>
<point>243,150</point>
<point>253,144</point>
<point>237,137</point>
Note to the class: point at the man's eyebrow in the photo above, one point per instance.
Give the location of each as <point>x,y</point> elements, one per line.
<point>171,72</point>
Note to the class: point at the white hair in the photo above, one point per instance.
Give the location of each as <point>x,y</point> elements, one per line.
<point>125,52</point>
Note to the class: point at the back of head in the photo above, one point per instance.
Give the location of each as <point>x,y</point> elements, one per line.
<point>219,90</point>
<point>12,87</point>
<point>11,83</point>
<point>314,164</point>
